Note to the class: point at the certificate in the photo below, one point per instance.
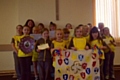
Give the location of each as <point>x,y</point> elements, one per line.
<point>36,36</point>
<point>43,46</point>
<point>106,41</point>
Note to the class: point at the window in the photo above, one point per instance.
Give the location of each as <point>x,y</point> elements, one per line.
<point>108,12</point>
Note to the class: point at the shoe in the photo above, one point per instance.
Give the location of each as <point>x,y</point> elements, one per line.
<point>36,78</point>
<point>107,77</point>
<point>113,77</point>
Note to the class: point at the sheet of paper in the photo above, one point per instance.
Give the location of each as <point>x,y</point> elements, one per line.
<point>52,34</point>
<point>106,41</point>
<point>43,46</point>
<point>36,36</point>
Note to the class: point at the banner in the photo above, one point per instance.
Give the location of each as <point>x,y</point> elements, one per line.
<point>77,65</point>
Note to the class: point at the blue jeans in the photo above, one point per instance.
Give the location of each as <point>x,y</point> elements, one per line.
<point>17,65</point>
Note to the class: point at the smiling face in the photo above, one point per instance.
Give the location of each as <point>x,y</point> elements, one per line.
<point>26,30</point>
<point>30,24</point>
<point>45,34</point>
<point>68,26</point>
<point>19,29</point>
<point>78,32</point>
<point>106,31</point>
<point>59,34</point>
<point>95,35</point>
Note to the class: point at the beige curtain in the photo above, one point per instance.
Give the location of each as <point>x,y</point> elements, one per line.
<point>108,12</point>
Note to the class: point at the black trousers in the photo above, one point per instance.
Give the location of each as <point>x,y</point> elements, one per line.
<point>44,70</point>
<point>101,69</point>
<point>108,64</point>
<point>25,65</point>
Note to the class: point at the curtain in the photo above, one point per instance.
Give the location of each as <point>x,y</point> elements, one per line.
<point>108,12</point>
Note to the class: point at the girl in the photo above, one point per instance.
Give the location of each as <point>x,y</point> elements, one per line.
<point>14,43</point>
<point>57,44</point>
<point>41,27</point>
<point>67,37</point>
<point>95,40</point>
<point>86,30</point>
<point>52,28</point>
<point>35,30</point>
<point>68,26</point>
<point>109,54</point>
<point>25,59</point>
<point>71,30</point>
<point>35,55</point>
<point>78,42</point>
<point>30,23</point>
<point>44,55</point>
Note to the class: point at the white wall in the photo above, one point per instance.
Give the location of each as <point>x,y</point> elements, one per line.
<point>14,12</point>
<point>72,11</point>
<point>8,19</point>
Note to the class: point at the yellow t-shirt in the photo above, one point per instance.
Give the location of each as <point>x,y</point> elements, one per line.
<point>21,53</point>
<point>87,38</point>
<point>107,41</point>
<point>16,40</point>
<point>35,56</point>
<point>67,42</point>
<point>60,45</point>
<point>98,44</point>
<point>79,43</point>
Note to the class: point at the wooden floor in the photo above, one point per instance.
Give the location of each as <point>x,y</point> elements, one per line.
<point>10,76</point>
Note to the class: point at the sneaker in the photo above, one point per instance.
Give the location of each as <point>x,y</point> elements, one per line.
<point>36,78</point>
<point>107,77</point>
<point>113,77</point>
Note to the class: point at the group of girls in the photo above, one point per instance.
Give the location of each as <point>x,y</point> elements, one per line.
<point>83,37</point>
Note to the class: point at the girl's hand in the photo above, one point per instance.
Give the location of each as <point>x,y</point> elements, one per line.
<point>73,48</point>
<point>113,43</point>
<point>103,47</point>
<point>64,49</point>
<point>87,47</point>
<point>38,50</point>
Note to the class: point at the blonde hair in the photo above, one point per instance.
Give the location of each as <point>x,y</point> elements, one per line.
<point>61,30</point>
<point>78,27</point>
<point>35,28</point>
<point>84,30</point>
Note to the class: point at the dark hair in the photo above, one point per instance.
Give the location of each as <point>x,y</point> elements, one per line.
<point>41,24</point>
<point>66,31</point>
<point>52,24</point>
<point>26,24</point>
<point>68,24</point>
<point>80,25</point>
<point>94,30</point>
<point>109,34</point>
<point>20,26</point>
<point>89,24</point>
<point>45,29</point>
